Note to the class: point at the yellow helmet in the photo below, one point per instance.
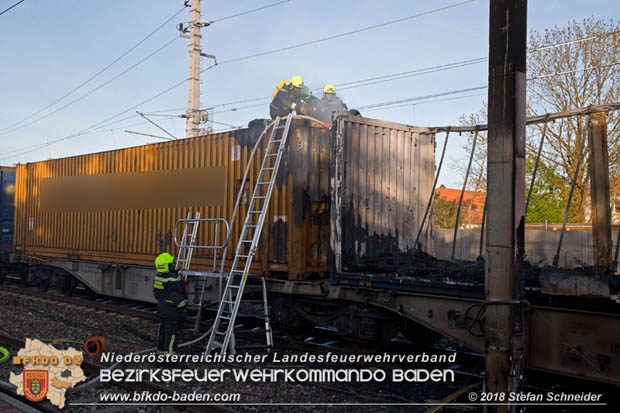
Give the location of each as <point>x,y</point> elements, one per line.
<point>297,81</point>
<point>162,262</point>
<point>329,89</point>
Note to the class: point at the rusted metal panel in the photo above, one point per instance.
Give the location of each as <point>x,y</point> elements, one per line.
<point>382,181</point>
<point>120,231</point>
<point>572,283</point>
<point>579,344</point>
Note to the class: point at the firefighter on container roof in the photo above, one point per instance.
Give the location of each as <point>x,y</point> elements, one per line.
<point>170,291</point>
<point>324,108</point>
<point>289,96</point>
<point>330,99</point>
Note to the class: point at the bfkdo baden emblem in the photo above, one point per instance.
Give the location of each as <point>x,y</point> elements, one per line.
<point>36,384</point>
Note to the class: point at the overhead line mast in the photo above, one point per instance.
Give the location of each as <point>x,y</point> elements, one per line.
<point>192,122</point>
<point>194,115</point>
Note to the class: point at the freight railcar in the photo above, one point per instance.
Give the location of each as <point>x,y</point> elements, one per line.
<point>337,248</point>
<point>7,207</point>
<point>102,218</point>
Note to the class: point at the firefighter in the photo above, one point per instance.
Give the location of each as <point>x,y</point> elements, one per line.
<point>333,102</point>
<point>170,291</point>
<point>289,96</point>
<point>324,108</point>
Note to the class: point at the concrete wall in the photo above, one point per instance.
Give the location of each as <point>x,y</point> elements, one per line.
<point>540,245</point>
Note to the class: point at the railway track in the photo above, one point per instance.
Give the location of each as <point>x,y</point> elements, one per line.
<point>117,306</point>
<point>468,369</point>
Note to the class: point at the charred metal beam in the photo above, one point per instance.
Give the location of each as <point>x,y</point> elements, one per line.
<point>599,190</point>
<point>536,119</point>
<point>506,197</point>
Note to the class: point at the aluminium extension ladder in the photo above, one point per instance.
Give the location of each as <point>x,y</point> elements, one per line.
<point>184,257</point>
<point>186,250</point>
<point>223,330</point>
<point>186,246</point>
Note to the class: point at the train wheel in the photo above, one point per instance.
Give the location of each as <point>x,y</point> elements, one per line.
<point>68,284</point>
<point>419,335</point>
<point>40,278</point>
<point>385,330</point>
<point>44,284</point>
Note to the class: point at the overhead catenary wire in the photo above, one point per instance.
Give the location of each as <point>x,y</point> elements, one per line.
<point>96,74</point>
<point>454,64</point>
<point>16,4</point>
<point>85,130</point>
<point>264,53</point>
<point>93,90</point>
<point>452,92</point>
<point>339,35</point>
<point>249,11</point>
<point>300,45</point>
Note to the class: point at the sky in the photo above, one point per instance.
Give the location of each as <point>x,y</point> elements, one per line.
<point>51,47</point>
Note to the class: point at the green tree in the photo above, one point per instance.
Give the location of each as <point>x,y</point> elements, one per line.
<point>547,203</point>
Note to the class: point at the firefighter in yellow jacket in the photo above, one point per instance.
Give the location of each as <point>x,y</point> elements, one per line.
<point>289,96</point>
<point>170,291</point>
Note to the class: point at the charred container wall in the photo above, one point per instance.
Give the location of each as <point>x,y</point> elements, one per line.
<point>121,206</point>
<point>382,178</point>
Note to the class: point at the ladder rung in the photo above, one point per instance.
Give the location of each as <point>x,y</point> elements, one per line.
<point>262,183</point>
<point>248,315</point>
<point>277,140</point>
<point>253,347</point>
<point>254,212</point>
<point>245,240</point>
<point>249,330</point>
<point>251,226</point>
<point>268,169</point>
<point>272,154</point>
<point>260,197</point>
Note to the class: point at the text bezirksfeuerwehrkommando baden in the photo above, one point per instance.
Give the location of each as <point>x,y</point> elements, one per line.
<point>278,358</point>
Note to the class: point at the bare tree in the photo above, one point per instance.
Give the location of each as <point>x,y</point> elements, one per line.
<point>568,67</point>
<point>581,69</point>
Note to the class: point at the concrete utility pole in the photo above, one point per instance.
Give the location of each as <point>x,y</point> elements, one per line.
<point>193,99</point>
<point>506,198</point>
<point>599,194</point>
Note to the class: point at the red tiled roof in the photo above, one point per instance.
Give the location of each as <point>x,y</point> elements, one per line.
<point>475,199</point>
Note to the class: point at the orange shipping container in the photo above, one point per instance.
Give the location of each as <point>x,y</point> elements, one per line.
<point>121,206</point>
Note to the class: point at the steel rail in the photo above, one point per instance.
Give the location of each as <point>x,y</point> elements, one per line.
<point>132,312</point>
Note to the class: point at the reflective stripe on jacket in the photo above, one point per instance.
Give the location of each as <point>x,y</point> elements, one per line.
<point>169,287</point>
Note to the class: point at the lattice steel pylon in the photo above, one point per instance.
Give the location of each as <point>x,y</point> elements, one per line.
<point>224,324</point>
